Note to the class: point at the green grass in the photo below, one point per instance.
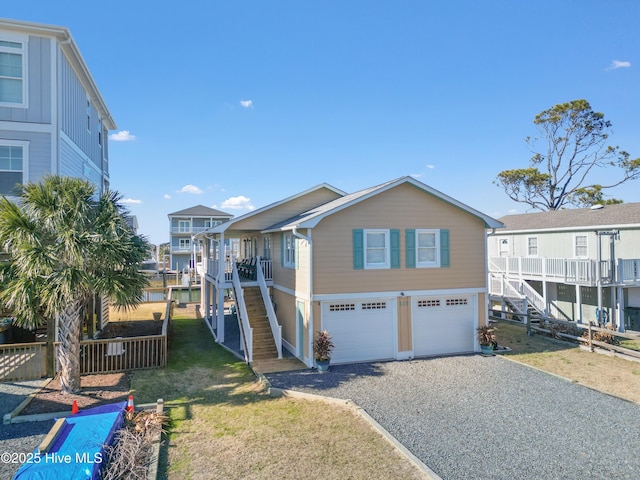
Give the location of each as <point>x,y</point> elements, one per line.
<point>224,425</point>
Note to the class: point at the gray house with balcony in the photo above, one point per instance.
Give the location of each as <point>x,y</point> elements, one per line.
<point>581,265</point>
<point>53,119</point>
<point>184,224</point>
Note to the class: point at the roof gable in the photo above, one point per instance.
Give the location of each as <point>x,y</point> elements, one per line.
<point>312,217</point>
<point>200,211</point>
<point>624,214</point>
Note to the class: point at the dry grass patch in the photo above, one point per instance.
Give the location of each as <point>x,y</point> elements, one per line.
<point>613,375</point>
<point>144,311</point>
<point>224,425</point>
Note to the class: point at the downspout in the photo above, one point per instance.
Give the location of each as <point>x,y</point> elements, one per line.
<point>310,344</point>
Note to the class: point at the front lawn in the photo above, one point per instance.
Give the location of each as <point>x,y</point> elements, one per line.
<point>600,371</point>
<point>224,425</point>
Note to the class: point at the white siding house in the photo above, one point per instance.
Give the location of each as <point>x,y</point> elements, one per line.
<point>580,265</point>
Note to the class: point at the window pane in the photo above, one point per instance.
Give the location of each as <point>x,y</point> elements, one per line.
<point>426,255</point>
<point>8,181</point>
<point>426,240</point>
<point>5,43</point>
<point>10,90</point>
<point>376,255</point>
<point>10,65</point>
<point>375,240</point>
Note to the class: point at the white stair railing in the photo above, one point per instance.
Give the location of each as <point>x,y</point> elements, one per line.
<point>246,332</point>
<point>276,329</point>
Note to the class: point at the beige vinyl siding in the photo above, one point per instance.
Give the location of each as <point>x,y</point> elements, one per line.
<point>482,309</point>
<point>404,324</point>
<point>286,313</point>
<point>403,207</point>
<point>280,213</point>
<point>296,279</point>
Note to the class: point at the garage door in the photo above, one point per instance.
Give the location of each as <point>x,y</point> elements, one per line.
<point>443,324</point>
<point>362,330</point>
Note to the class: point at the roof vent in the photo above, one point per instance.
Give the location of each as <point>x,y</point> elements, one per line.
<point>597,207</point>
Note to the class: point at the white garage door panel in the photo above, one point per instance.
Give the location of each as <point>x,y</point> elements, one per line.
<point>443,325</point>
<point>360,334</point>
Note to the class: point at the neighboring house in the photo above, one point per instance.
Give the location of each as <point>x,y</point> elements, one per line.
<point>53,120</point>
<point>183,225</point>
<point>394,271</point>
<point>559,260</point>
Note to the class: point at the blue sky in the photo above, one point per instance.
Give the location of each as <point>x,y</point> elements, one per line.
<point>237,104</point>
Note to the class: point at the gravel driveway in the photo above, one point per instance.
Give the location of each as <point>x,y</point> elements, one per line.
<point>475,417</point>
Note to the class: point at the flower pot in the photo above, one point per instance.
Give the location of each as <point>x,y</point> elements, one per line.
<point>157,315</point>
<point>486,349</point>
<point>322,365</point>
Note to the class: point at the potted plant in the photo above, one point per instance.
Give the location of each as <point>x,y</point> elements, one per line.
<point>487,339</point>
<point>322,348</point>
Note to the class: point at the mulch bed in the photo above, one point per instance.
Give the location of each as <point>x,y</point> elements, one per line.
<point>96,390</point>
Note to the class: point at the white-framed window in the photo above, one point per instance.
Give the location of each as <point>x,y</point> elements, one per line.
<point>580,246</point>
<point>13,67</point>
<point>289,250</point>
<point>184,243</point>
<point>184,226</point>
<point>532,246</point>
<point>13,165</point>
<point>427,248</point>
<point>377,253</point>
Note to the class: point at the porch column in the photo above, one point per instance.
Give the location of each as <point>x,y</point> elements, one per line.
<point>545,296</point>
<point>205,298</point>
<point>220,312</point>
<point>618,305</point>
<point>578,304</point>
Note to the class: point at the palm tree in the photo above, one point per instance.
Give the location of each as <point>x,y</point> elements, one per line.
<point>66,244</point>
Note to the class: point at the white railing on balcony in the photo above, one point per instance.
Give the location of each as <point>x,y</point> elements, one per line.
<point>276,329</point>
<point>186,230</point>
<point>568,270</point>
<point>246,332</point>
<point>629,271</point>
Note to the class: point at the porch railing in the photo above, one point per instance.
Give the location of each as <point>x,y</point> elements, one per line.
<point>23,361</point>
<point>246,332</point>
<point>276,329</point>
<point>213,268</point>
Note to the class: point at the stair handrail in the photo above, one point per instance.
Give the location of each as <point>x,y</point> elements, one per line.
<point>276,329</point>
<point>535,299</point>
<point>246,332</point>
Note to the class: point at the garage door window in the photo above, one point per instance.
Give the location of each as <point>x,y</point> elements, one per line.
<point>342,307</point>
<point>428,303</point>
<point>374,306</point>
<point>454,302</point>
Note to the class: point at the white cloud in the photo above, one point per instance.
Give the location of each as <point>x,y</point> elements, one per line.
<point>246,103</point>
<point>131,201</point>
<point>237,203</point>
<point>166,196</point>
<point>618,64</point>
<point>122,136</point>
<point>415,175</point>
<point>191,189</point>
<point>431,167</point>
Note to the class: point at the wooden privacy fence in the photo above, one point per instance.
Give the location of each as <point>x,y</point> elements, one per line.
<point>27,361</point>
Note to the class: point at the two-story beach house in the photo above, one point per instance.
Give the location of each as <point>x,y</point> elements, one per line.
<point>580,265</point>
<point>53,119</point>
<point>394,271</point>
<point>183,225</point>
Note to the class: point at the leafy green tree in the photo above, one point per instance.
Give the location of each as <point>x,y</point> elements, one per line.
<point>66,244</point>
<point>575,151</point>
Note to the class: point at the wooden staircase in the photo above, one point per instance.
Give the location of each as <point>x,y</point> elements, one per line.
<point>264,346</point>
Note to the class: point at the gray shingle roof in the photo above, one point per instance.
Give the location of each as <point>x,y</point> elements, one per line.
<point>200,211</point>
<point>608,216</point>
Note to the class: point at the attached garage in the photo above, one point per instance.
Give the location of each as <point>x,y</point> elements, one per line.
<point>443,324</point>
<point>362,329</point>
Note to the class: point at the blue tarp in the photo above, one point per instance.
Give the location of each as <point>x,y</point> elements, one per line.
<point>79,449</point>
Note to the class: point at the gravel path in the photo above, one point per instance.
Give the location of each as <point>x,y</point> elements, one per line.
<point>19,438</point>
<point>475,417</point>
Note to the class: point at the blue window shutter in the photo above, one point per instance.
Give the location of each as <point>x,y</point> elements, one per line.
<point>410,244</point>
<point>394,236</point>
<point>282,249</point>
<point>444,248</point>
<point>358,249</point>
